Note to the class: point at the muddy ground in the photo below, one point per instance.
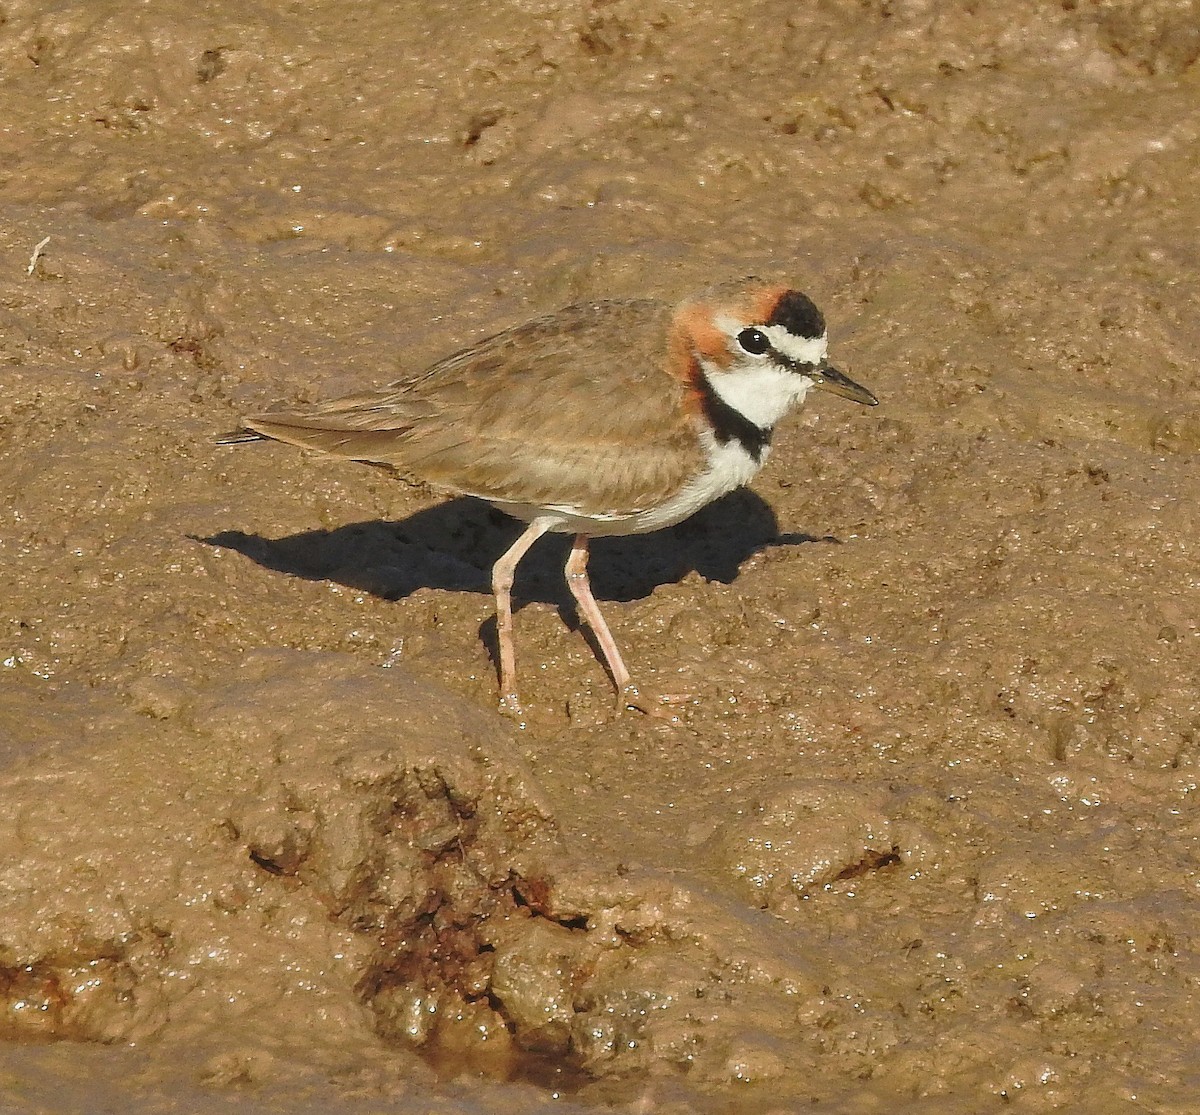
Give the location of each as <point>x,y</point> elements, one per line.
<point>926,840</point>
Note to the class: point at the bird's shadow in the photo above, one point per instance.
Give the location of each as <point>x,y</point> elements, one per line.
<point>454,544</point>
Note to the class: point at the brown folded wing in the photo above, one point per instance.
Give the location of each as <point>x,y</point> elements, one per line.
<point>574,410</point>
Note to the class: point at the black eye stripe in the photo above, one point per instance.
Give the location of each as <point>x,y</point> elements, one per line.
<point>753,341</point>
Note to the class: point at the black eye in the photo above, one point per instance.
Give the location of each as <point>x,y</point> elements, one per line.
<point>754,341</point>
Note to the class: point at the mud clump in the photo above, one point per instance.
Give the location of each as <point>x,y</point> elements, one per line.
<point>396,874</point>
<point>404,837</point>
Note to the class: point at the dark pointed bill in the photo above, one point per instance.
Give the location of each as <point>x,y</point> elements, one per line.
<point>830,379</point>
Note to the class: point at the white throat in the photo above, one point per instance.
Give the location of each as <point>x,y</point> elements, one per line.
<point>763,393</point>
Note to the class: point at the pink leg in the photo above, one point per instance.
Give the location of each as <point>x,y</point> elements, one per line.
<point>502,581</point>
<point>577,582</point>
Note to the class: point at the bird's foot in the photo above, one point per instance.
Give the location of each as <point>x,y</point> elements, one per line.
<point>536,716</point>
<point>510,706</point>
<point>658,705</point>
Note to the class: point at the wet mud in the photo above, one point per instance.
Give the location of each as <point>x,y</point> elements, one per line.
<point>926,837</point>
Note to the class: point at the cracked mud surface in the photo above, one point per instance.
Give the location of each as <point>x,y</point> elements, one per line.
<point>926,839</point>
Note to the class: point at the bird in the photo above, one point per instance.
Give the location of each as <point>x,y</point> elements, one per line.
<point>610,417</point>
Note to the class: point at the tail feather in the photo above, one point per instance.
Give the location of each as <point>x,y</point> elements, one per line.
<point>240,437</point>
<point>372,445</point>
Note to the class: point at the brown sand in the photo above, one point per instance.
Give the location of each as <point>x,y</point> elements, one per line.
<point>928,840</point>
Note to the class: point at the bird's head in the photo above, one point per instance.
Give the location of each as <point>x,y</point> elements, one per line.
<point>759,346</point>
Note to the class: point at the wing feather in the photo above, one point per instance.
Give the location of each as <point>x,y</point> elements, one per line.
<point>576,409</point>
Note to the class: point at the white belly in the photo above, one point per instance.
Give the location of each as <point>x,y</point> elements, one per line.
<point>729,467</point>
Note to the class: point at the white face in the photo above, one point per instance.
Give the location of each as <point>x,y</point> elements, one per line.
<point>757,386</point>
<point>807,350</point>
